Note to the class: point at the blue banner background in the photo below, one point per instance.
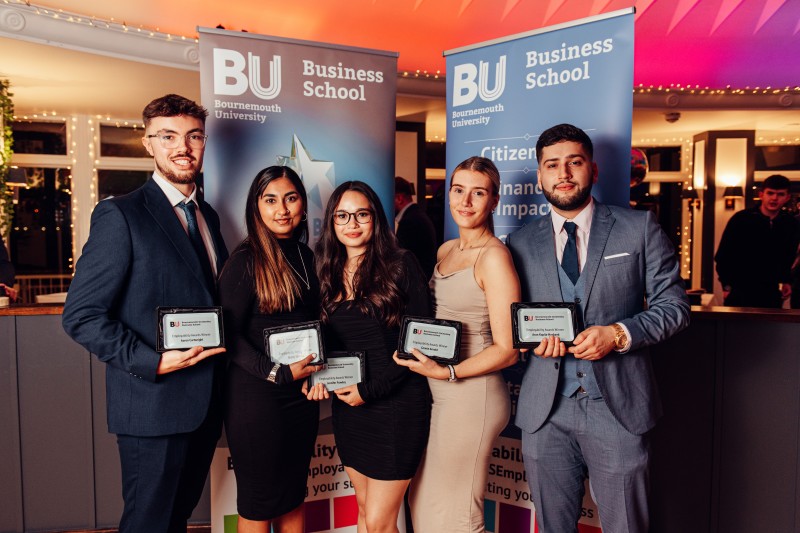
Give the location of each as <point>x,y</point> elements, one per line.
<point>600,102</point>
<point>333,139</point>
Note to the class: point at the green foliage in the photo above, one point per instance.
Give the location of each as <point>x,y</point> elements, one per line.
<point>7,113</point>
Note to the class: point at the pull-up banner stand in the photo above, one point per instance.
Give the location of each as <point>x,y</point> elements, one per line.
<point>501,95</point>
<point>328,112</point>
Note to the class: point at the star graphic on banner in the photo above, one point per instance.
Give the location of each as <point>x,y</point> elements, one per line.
<point>318,177</point>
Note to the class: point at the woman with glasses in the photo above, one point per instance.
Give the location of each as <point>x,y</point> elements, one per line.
<point>269,281</point>
<point>474,282</point>
<point>367,284</point>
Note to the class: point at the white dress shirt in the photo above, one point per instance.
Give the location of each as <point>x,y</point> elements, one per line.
<point>583,221</point>
<point>175,197</point>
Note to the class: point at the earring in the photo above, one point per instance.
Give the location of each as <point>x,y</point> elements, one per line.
<point>305,217</point>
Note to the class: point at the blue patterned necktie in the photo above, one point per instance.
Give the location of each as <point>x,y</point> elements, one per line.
<point>189,208</point>
<point>569,261</point>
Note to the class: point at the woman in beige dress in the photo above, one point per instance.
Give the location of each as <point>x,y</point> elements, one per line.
<point>475,283</point>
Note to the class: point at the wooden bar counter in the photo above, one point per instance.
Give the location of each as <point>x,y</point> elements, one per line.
<point>726,454</point>
<point>59,466</point>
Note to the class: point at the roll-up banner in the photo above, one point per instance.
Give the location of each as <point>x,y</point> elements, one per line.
<point>501,95</point>
<point>327,111</point>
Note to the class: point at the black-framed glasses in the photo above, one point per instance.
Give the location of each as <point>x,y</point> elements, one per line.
<point>342,218</point>
<point>170,140</point>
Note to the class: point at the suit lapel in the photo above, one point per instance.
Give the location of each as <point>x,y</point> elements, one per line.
<point>219,245</point>
<point>602,222</point>
<point>158,206</point>
<point>544,251</point>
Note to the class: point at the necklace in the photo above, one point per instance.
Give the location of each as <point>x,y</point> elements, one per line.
<point>474,243</point>
<point>305,278</point>
<point>357,262</point>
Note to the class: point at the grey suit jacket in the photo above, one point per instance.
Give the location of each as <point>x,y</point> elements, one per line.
<point>138,257</point>
<point>632,277</point>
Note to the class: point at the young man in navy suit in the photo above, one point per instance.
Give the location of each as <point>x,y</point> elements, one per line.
<point>164,407</point>
<point>585,410</point>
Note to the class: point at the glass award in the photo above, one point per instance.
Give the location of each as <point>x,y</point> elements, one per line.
<point>531,322</point>
<point>437,339</point>
<point>289,344</point>
<point>181,328</point>
<point>341,369</point>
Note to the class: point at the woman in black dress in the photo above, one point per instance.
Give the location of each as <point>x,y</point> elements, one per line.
<point>367,283</point>
<point>269,281</point>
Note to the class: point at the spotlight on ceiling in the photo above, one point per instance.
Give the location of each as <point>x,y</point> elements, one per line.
<point>672,117</point>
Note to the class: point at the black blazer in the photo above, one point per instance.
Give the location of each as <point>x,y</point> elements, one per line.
<point>417,234</point>
<point>138,257</point>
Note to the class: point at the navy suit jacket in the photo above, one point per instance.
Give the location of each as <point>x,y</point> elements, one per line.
<point>139,257</point>
<point>632,277</point>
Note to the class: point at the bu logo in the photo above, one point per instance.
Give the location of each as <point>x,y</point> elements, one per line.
<point>529,318</point>
<point>470,81</point>
<point>174,324</point>
<point>417,331</point>
<point>230,77</point>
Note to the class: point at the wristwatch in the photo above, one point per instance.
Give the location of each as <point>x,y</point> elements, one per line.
<point>620,337</point>
<point>273,374</point>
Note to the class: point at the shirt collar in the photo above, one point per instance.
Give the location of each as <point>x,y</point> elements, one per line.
<point>583,219</point>
<point>174,196</point>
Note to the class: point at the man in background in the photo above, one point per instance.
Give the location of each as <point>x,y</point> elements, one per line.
<point>413,228</point>
<point>159,246</point>
<point>757,249</point>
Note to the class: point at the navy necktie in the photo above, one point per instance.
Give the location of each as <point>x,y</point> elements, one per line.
<point>189,208</point>
<point>569,261</point>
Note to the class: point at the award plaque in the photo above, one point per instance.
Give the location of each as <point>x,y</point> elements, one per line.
<point>180,328</point>
<point>289,344</point>
<point>531,322</point>
<point>341,369</point>
<point>439,340</point>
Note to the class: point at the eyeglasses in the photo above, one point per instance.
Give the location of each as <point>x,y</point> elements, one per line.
<point>342,218</point>
<point>173,140</point>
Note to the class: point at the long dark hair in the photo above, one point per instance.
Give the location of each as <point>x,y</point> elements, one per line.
<point>375,283</point>
<point>276,287</point>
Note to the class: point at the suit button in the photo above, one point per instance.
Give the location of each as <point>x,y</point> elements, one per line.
<point>555,365</point>
<point>581,374</point>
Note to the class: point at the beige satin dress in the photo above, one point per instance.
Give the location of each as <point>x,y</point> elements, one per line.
<point>467,416</point>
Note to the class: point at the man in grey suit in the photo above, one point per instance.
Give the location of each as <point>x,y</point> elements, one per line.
<point>585,410</point>
<point>157,246</point>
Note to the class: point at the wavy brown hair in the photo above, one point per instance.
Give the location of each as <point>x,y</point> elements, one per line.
<point>277,288</point>
<point>375,283</point>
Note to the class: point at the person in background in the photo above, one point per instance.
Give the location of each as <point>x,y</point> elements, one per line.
<point>269,281</point>
<point>586,410</point>
<point>413,228</point>
<point>6,273</point>
<point>368,283</point>
<point>795,300</point>
<point>159,246</point>
<point>475,283</point>
<point>757,249</point>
